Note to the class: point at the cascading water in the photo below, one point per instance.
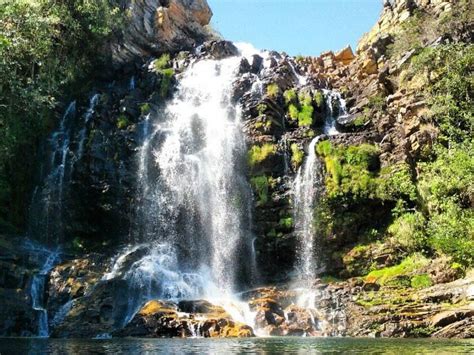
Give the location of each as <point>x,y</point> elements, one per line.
<point>38,283</point>
<point>83,132</point>
<point>46,217</point>
<point>194,207</point>
<point>306,188</point>
<point>336,108</point>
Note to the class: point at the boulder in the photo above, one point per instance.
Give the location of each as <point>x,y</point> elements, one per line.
<point>345,55</point>
<point>185,319</point>
<point>158,26</point>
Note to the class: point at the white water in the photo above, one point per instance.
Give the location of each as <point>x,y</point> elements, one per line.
<point>306,186</point>
<point>38,284</point>
<point>333,112</point>
<point>87,116</point>
<point>194,203</point>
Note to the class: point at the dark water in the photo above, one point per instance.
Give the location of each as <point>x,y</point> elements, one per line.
<point>239,346</point>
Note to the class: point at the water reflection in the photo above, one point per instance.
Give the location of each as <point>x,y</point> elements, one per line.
<point>241,346</point>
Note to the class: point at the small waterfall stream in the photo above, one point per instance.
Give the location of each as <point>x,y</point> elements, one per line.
<point>306,186</point>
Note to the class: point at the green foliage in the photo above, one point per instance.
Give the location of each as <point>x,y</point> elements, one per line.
<point>305,116</point>
<point>261,185</point>
<point>447,188</point>
<point>450,94</point>
<point>261,108</point>
<point>407,267</point>
<point>293,111</point>
<point>122,122</point>
<point>290,96</point>
<point>408,230</point>
<point>162,62</point>
<point>351,170</point>
<point>421,281</point>
<point>273,90</point>
<point>166,79</point>
<point>47,49</point>
<point>286,223</point>
<point>319,99</point>
<point>297,155</point>
<point>145,108</point>
<point>258,154</point>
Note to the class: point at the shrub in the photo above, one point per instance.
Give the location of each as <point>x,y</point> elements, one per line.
<point>122,122</point>
<point>162,62</point>
<point>319,100</point>
<point>261,108</point>
<point>166,78</point>
<point>297,156</point>
<point>408,231</point>
<point>145,108</point>
<point>258,154</point>
<point>293,111</point>
<point>273,90</point>
<point>290,96</point>
<point>305,116</point>
<point>286,222</point>
<point>260,185</point>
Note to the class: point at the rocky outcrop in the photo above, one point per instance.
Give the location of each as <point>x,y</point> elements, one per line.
<point>186,319</point>
<point>161,26</point>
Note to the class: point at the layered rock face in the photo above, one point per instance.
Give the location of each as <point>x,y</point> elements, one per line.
<point>161,26</point>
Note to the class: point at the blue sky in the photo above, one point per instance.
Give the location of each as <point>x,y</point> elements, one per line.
<point>306,27</point>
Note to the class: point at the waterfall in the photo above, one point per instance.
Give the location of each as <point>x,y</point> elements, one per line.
<point>87,116</point>
<point>336,108</point>
<point>46,217</point>
<point>49,258</point>
<point>194,204</point>
<point>306,189</point>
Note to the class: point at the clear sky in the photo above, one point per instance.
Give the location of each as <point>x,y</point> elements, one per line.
<point>306,27</point>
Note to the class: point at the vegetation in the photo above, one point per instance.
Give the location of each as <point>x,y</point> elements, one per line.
<point>394,273</point>
<point>273,90</point>
<point>260,185</point>
<point>258,154</point>
<point>122,122</point>
<point>48,49</point>
<point>297,156</point>
<point>300,107</point>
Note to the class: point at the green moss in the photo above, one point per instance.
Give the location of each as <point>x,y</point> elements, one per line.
<point>297,156</point>
<point>261,187</point>
<point>261,108</point>
<point>145,108</point>
<point>290,96</point>
<point>351,170</point>
<point>273,90</point>
<point>293,112</point>
<point>122,122</point>
<point>405,268</point>
<point>305,116</point>
<point>286,223</point>
<point>421,281</point>
<point>319,99</point>
<point>162,62</point>
<point>166,78</point>
<point>258,154</point>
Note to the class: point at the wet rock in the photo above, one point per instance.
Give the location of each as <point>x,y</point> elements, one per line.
<point>167,319</point>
